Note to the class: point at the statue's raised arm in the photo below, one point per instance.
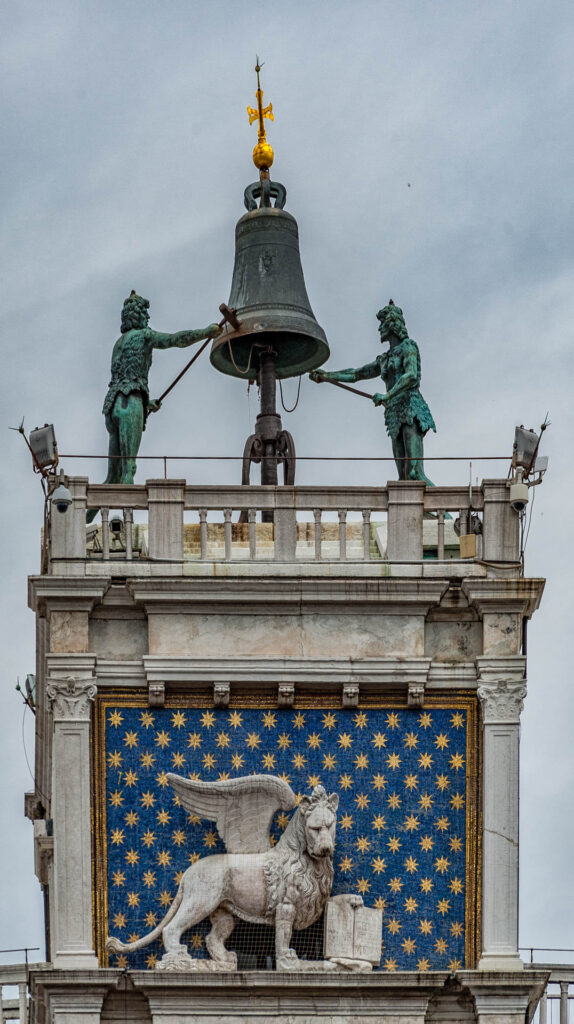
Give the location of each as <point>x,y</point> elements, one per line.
<point>407,415</point>
<point>127,403</point>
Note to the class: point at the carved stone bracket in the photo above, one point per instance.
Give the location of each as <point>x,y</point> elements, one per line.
<point>156,695</point>
<point>221,694</point>
<point>70,698</point>
<point>285,695</point>
<point>416,695</point>
<point>350,695</point>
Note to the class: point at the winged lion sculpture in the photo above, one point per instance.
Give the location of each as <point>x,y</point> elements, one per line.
<point>285,886</point>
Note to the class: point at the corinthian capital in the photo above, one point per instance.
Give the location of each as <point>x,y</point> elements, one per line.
<point>501,700</point>
<point>70,698</point>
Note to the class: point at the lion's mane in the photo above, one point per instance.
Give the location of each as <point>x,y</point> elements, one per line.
<point>293,876</point>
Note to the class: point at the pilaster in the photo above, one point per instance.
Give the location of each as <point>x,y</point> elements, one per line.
<point>71,698</point>
<point>501,691</point>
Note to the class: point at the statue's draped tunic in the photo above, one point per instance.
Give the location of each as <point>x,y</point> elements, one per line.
<point>408,407</point>
<point>131,361</point>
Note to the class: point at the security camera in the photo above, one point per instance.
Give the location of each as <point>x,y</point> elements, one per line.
<point>61,496</point>
<point>518,492</point>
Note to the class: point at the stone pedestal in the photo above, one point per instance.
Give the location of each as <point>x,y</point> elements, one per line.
<point>405,521</point>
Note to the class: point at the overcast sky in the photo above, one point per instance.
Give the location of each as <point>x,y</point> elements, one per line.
<point>427,150</point>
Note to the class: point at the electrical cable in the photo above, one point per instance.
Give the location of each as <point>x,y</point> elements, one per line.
<point>238,368</point>
<point>529,521</point>
<point>296,400</point>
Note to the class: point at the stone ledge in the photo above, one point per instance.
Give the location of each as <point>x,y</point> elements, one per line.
<point>322,998</point>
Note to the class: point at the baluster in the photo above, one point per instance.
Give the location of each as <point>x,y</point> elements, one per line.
<point>317,518</point>
<point>251,515</point>
<point>440,536</point>
<point>23,1002</point>
<point>105,534</point>
<point>563,1002</point>
<point>203,534</point>
<point>1,1007</point>
<point>366,534</point>
<point>463,521</point>
<point>128,521</point>
<point>342,534</point>
<point>227,533</point>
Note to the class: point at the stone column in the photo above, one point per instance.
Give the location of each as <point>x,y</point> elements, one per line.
<point>405,520</point>
<point>71,700</point>
<point>501,691</point>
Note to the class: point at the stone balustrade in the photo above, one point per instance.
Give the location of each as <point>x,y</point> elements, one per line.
<point>14,993</point>
<point>401,523</point>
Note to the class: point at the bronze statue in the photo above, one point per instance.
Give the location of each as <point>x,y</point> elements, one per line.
<point>127,403</point>
<point>407,415</point>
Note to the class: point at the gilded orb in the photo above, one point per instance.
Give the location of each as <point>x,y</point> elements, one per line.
<point>263,156</point>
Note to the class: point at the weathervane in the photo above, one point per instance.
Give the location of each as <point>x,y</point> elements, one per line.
<point>263,152</point>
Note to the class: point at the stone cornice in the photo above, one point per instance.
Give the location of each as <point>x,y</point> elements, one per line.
<point>65,593</point>
<point>79,665</point>
<point>492,669</point>
<point>257,595</point>
<point>384,672</point>
<point>504,595</point>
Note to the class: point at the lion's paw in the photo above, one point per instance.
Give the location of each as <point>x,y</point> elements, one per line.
<point>355,900</point>
<point>179,961</point>
<point>288,961</point>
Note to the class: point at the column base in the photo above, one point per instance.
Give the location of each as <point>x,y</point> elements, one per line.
<point>500,962</point>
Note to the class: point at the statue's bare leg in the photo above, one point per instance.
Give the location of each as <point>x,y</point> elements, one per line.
<point>413,444</point>
<point>399,456</point>
<point>114,461</point>
<point>128,414</point>
<point>286,958</point>
<point>222,925</point>
<point>114,464</point>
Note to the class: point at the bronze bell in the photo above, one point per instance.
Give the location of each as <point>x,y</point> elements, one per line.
<point>268,294</point>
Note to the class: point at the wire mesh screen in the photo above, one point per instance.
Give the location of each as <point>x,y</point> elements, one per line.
<point>406,821</point>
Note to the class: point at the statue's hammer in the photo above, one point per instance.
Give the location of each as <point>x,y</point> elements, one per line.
<point>228,317</point>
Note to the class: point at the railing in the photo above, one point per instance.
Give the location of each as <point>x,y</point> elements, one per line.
<point>15,977</point>
<point>554,1006</point>
<point>395,523</point>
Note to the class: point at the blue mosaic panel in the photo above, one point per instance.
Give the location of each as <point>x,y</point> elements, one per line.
<point>402,823</point>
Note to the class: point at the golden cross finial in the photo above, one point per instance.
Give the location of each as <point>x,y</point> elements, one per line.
<point>263,152</point>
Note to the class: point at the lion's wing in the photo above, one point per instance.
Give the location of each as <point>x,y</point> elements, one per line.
<point>242,809</point>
